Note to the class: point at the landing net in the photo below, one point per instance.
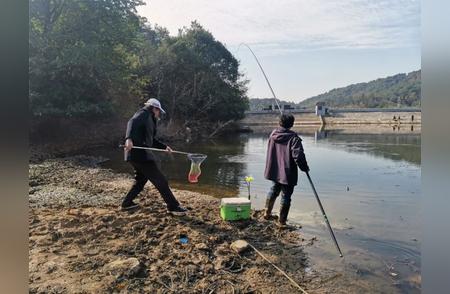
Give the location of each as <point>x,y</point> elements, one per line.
<point>195,171</point>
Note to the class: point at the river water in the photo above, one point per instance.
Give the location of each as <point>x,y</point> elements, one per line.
<point>369,185</point>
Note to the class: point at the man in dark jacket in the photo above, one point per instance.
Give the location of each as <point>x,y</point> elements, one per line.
<point>141,131</point>
<point>284,154</point>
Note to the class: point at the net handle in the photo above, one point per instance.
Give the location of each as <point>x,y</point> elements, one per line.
<point>156,149</point>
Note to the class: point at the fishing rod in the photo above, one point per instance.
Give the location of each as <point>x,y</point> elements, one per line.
<point>307,174</point>
<point>324,216</point>
<point>265,76</point>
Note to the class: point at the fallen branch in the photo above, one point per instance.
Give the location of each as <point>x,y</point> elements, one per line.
<point>221,126</point>
<point>280,270</point>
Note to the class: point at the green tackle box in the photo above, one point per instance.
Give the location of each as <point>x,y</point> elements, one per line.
<point>235,208</point>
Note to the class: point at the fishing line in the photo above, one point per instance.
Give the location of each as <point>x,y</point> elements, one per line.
<point>265,76</point>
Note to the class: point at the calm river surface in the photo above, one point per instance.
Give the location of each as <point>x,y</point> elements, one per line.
<point>369,185</point>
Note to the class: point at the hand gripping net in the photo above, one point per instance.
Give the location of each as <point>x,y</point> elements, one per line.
<point>195,172</point>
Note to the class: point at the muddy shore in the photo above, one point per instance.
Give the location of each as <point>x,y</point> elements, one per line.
<point>80,243</point>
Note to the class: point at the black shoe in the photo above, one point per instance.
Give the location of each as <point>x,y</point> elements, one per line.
<point>128,206</point>
<point>177,210</point>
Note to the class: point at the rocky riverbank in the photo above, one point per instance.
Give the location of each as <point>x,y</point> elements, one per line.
<point>79,242</point>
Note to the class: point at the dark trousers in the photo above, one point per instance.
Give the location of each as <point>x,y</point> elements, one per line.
<point>149,171</point>
<point>285,196</point>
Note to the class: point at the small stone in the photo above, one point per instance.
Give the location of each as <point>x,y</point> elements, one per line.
<point>196,260</point>
<point>130,267</point>
<point>394,274</point>
<point>201,246</point>
<point>92,252</point>
<point>415,279</point>
<point>239,246</point>
<point>50,267</point>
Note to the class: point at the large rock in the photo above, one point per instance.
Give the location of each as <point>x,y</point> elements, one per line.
<point>129,267</point>
<point>239,246</point>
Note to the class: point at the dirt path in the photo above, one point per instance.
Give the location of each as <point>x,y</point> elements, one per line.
<point>80,243</point>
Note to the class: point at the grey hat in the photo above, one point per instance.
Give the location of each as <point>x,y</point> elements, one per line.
<point>155,103</point>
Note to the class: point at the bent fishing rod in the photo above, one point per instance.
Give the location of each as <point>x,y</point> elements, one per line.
<point>307,174</point>
<point>265,76</point>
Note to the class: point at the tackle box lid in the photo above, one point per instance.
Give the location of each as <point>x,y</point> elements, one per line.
<point>235,201</point>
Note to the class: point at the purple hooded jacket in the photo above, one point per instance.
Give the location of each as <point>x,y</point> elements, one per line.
<point>284,154</point>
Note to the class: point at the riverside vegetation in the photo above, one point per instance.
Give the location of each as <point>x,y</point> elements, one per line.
<point>98,60</point>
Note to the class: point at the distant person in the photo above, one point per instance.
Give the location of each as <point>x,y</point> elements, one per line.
<point>284,154</point>
<point>141,131</point>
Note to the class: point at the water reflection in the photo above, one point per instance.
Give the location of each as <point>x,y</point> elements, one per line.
<point>391,146</point>
<point>220,175</point>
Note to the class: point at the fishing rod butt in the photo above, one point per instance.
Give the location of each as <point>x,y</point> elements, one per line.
<point>333,237</point>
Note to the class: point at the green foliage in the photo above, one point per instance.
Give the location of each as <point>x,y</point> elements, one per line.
<point>197,78</point>
<point>97,58</point>
<point>83,55</point>
<point>381,93</point>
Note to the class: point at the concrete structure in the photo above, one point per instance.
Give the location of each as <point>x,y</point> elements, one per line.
<point>338,117</point>
<point>320,109</point>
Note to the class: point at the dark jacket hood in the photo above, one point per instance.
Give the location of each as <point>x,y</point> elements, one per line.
<point>281,135</point>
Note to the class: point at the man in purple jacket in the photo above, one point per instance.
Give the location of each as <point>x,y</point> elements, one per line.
<point>284,154</point>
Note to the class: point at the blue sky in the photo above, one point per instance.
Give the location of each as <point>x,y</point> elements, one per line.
<point>306,47</point>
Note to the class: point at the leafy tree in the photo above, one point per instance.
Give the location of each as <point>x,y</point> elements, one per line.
<point>197,78</point>
<point>83,55</point>
<point>99,58</point>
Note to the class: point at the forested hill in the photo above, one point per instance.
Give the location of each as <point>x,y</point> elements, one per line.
<point>380,93</point>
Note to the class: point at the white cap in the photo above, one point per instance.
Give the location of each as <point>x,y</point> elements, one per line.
<point>155,103</point>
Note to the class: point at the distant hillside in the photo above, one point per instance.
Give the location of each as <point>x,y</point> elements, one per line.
<point>380,93</point>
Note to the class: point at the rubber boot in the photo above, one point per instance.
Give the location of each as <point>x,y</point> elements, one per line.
<point>269,206</point>
<point>284,211</point>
